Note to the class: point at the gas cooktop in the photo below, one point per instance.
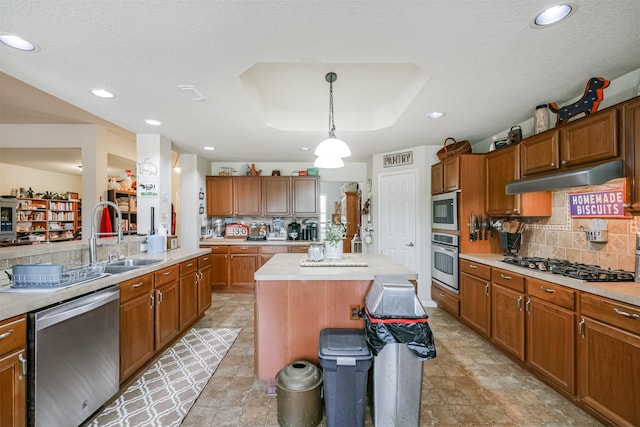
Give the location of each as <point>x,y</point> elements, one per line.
<point>586,272</point>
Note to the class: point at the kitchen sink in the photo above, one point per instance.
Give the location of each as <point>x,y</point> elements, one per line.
<point>133,262</point>
<point>116,269</point>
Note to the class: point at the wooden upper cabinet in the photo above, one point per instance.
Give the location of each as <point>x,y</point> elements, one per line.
<point>276,191</point>
<point>591,139</point>
<point>219,196</point>
<point>631,142</point>
<point>445,176</point>
<point>502,166</point>
<point>304,195</point>
<point>247,197</point>
<point>540,153</point>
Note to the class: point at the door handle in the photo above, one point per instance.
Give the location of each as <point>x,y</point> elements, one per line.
<point>409,244</point>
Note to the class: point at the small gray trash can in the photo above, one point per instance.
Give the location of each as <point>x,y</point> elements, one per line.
<point>400,338</point>
<point>345,360</point>
<point>298,395</point>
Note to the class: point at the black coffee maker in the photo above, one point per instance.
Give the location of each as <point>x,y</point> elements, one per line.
<point>293,231</point>
<point>312,228</point>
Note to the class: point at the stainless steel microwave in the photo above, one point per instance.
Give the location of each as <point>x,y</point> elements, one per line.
<point>444,211</point>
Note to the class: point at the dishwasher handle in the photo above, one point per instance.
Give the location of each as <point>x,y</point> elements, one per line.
<point>75,307</point>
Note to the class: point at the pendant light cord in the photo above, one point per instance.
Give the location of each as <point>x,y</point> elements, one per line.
<point>331,77</point>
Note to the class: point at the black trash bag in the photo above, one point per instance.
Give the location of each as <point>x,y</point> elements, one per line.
<point>414,332</point>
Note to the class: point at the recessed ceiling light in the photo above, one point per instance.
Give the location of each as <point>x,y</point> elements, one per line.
<point>305,148</point>
<point>102,93</point>
<point>436,115</point>
<point>17,42</point>
<point>553,14</point>
<point>209,148</point>
<point>153,122</point>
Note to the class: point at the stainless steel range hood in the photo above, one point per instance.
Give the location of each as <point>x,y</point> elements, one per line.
<point>593,175</point>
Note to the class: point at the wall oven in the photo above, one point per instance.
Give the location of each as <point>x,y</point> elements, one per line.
<point>444,211</point>
<point>444,260</point>
<point>8,219</point>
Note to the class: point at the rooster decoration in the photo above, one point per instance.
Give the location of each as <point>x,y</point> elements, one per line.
<point>589,103</point>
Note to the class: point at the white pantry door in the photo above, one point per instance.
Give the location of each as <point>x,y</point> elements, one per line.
<point>398,216</point>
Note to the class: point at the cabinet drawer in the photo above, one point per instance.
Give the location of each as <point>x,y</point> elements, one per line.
<point>244,249</point>
<point>166,275</point>
<point>508,279</point>
<point>135,287</point>
<point>188,266</point>
<point>475,269</point>
<point>614,313</point>
<point>555,294</point>
<point>13,334</point>
<point>299,249</point>
<point>273,249</point>
<point>218,249</point>
<point>204,260</point>
<point>447,300</point>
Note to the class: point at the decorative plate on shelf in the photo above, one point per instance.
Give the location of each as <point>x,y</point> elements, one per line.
<point>236,231</point>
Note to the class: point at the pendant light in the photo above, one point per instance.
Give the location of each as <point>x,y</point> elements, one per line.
<point>332,147</point>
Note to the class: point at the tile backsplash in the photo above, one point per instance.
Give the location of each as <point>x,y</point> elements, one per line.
<point>561,236</point>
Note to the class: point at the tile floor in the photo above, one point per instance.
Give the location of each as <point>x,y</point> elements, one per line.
<point>469,383</point>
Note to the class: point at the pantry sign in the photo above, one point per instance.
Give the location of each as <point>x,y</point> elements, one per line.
<point>598,204</point>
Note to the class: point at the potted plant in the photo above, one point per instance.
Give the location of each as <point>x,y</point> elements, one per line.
<point>333,241</point>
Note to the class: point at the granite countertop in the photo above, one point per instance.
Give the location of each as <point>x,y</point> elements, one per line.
<point>627,292</point>
<point>15,303</point>
<point>244,242</point>
<point>287,267</point>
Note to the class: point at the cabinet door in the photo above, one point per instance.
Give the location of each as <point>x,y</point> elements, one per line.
<point>446,299</point>
<point>437,179</point>
<point>502,166</point>
<point>631,128</point>
<point>591,139</point>
<point>247,193</point>
<point>304,195</point>
<point>219,196</point>
<point>167,313</point>
<point>451,174</point>
<point>608,366</point>
<point>136,334</point>
<point>204,283</point>
<point>551,342</point>
<point>220,271</point>
<point>276,195</point>
<point>188,299</point>
<point>507,320</point>
<point>475,303</point>
<point>540,153</point>
<point>13,389</point>
<point>242,267</point>
<point>266,252</point>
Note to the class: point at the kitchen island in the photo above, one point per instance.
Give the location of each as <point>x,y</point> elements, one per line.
<point>294,303</point>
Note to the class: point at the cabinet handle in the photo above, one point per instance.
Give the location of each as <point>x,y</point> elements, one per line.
<point>153,300</point>
<point>486,289</point>
<point>505,277</point>
<point>551,291</point>
<point>441,295</point>
<point>625,314</point>
<point>205,258</point>
<point>6,334</point>
<point>580,330</point>
<point>137,285</point>
<point>159,297</point>
<point>527,305</point>
<point>552,164</point>
<point>520,303</point>
<point>190,264</point>
<point>473,266</point>
<point>168,273</point>
<point>24,366</point>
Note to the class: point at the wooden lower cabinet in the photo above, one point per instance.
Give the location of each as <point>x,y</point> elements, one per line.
<point>167,313</point>
<point>507,320</point>
<point>219,267</point>
<point>13,359</point>
<point>188,292</point>
<point>446,299</point>
<point>475,303</point>
<point>609,359</point>
<point>243,263</point>
<point>136,324</point>
<point>266,252</point>
<point>204,283</point>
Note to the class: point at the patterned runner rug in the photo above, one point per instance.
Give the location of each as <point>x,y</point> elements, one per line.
<point>163,395</point>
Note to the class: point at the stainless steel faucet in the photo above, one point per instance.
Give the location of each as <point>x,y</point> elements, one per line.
<point>94,234</point>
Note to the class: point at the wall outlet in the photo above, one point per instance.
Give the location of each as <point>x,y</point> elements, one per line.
<point>354,311</point>
<point>143,247</point>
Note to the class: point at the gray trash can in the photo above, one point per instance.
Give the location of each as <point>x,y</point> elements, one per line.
<point>345,359</point>
<point>400,338</point>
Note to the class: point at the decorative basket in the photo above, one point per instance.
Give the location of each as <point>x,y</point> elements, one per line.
<point>454,149</point>
<point>349,187</point>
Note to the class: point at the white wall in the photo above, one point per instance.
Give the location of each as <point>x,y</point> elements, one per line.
<point>12,176</point>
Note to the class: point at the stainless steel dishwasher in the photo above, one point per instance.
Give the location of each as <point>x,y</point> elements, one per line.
<point>73,358</point>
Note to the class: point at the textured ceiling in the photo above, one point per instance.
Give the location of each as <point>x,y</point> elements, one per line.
<point>261,65</point>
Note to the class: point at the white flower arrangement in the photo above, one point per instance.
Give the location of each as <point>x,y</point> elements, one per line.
<point>333,234</point>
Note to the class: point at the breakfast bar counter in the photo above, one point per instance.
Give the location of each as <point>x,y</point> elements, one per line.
<point>295,302</point>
